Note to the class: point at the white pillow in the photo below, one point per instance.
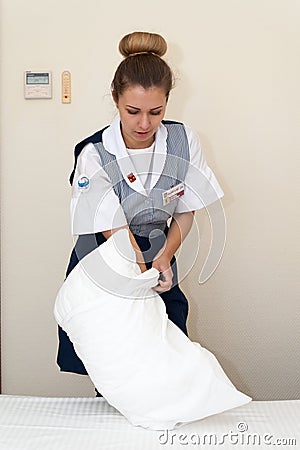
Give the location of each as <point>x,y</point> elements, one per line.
<point>142,363</point>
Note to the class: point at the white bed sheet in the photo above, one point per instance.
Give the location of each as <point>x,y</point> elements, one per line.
<point>39,423</point>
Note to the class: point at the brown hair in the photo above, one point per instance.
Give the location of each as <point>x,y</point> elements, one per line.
<point>142,64</point>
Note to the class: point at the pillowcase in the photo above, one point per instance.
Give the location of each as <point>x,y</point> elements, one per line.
<point>139,360</point>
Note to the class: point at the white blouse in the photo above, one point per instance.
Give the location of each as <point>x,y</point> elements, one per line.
<point>94,205</point>
<point>141,160</point>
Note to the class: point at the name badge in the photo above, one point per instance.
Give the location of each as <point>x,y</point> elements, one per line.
<point>173,193</point>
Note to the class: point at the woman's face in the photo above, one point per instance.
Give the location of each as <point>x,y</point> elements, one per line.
<point>141,111</point>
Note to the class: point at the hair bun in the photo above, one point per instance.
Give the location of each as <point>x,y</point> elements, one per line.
<point>142,42</point>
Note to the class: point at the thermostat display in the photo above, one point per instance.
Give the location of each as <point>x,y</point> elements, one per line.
<point>37,85</point>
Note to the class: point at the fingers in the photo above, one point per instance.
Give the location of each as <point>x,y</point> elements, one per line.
<point>162,287</point>
<point>165,281</point>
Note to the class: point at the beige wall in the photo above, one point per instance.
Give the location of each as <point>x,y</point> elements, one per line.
<point>238,71</point>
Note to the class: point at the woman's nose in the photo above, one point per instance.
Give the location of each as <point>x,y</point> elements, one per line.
<point>144,122</point>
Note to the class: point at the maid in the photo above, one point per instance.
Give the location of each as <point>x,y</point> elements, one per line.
<point>142,173</point>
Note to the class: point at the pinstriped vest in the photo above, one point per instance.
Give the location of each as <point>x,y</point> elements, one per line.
<point>146,213</point>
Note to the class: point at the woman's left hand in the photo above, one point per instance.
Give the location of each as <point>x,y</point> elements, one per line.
<point>162,264</point>
<point>179,228</point>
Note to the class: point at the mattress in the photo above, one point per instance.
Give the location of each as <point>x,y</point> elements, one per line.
<point>39,423</point>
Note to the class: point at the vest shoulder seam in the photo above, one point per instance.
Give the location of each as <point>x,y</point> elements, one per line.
<point>171,122</point>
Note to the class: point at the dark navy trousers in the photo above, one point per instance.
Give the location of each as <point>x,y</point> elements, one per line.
<point>174,299</point>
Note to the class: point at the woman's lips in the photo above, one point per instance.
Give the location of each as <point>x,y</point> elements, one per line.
<point>142,133</point>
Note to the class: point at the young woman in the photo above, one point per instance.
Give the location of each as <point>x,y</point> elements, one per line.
<point>138,173</point>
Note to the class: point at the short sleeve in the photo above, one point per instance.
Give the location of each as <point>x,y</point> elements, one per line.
<point>201,187</point>
<point>94,205</point>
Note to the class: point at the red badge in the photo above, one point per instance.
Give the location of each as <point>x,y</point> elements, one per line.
<point>131,177</point>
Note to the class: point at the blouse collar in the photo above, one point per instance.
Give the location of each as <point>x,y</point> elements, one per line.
<point>113,142</point>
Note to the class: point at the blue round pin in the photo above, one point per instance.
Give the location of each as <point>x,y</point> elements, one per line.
<point>83,182</point>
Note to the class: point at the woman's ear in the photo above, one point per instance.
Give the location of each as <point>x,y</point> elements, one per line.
<point>114,98</point>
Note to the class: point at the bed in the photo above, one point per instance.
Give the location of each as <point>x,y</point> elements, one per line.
<point>39,423</point>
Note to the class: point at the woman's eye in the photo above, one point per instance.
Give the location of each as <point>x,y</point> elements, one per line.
<point>153,113</point>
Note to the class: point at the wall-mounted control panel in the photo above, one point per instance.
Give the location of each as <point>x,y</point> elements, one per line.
<point>37,85</point>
